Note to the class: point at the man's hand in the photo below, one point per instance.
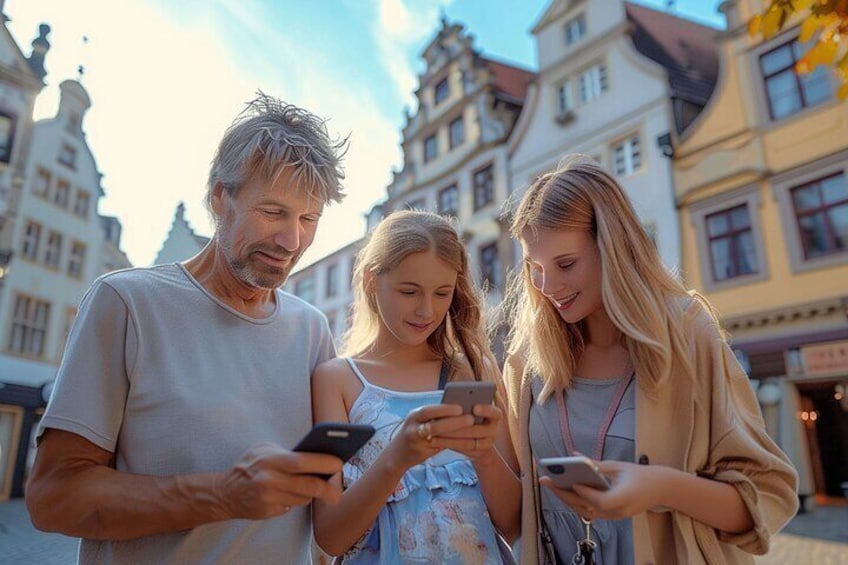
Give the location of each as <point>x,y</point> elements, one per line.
<point>268,480</point>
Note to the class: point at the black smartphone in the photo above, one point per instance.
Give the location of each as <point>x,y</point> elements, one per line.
<point>575,470</point>
<point>335,438</point>
<point>469,393</point>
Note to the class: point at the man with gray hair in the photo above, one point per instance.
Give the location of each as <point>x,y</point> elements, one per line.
<point>183,386</point>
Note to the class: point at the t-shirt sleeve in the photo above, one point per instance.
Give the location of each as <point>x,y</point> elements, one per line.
<point>326,344</point>
<point>91,387</point>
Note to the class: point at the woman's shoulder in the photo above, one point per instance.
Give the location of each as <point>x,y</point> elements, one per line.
<point>333,370</point>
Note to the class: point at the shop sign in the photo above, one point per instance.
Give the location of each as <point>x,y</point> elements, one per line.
<point>825,358</point>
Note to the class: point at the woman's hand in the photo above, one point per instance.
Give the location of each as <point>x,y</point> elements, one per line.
<point>635,489</point>
<point>425,432</point>
<point>477,441</point>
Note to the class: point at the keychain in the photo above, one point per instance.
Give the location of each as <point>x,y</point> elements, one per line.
<point>586,547</point>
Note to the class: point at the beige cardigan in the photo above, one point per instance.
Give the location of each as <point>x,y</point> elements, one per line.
<point>712,427</point>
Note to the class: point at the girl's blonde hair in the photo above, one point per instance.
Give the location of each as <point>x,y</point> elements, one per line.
<point>642,298</point>
<point>462,332</point>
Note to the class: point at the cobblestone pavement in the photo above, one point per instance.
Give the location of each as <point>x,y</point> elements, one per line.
<point>800,543</point>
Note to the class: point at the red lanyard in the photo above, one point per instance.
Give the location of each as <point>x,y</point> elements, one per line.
<point>605,425</point>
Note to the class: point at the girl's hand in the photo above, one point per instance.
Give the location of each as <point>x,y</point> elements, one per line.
<point>425,432</point>
<point>476,441</point>
<point>635,489</point>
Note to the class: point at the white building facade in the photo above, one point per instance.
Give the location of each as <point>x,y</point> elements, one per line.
<point>182,242</point>
<point>617,81</point>
<point>54,245</point>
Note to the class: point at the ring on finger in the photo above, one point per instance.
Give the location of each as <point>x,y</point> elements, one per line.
<point>422,431</point>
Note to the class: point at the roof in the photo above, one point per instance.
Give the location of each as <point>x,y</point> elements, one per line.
<point>510,80</point>
<point>688,50</point>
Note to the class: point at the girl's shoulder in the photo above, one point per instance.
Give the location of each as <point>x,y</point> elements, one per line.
<point>333,372</point>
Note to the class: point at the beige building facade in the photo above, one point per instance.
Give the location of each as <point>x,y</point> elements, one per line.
<point>762,186</point>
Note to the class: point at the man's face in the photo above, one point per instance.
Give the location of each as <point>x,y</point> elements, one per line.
<point>264,229</point>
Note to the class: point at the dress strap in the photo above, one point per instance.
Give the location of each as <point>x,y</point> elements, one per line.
<point>443,374</point>
<point>357,372</point>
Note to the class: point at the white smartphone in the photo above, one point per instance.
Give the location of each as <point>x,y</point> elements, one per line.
<point>566,472</point>
<point>469,393</point>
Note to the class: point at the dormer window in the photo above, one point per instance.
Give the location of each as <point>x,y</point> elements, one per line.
<point>441,91</point>
<point>575,29</point>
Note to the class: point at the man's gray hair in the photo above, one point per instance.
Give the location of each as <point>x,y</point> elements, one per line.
<point>270,136</point>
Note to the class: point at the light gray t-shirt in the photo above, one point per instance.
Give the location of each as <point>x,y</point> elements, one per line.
<point>173,381</point>
<point>587,402</point>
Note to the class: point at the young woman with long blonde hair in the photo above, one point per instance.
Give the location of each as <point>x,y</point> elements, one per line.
<point>611,357</point>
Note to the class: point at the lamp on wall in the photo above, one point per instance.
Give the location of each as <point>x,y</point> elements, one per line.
<point>664,143</point>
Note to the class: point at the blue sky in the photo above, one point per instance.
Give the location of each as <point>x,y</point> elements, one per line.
<point>166,78</point>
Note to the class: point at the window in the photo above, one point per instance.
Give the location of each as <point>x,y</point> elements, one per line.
<point>457,132</point>
<point>68,156</point>
<point>332,280</point>
<point>490,265</point>
<point>62,197</point>
<point>593,83</point>
<point>81,204</point>
<point>29,326</point>
<point>565,100</point>
<point>484,187</point>
<point>821,209</point>
<point>627,156</point>
<point>449,201</point>
<point>441,92</point>
<point>731,243</point>
<point>730,235</point>
<point>54,250</point>
<point>305,289</point>
<point>788,92</point>
<point>75,264</point>
<point>41,186</point>
<point>575,29</point>
<point>430,148</point>
<point>32,237</point>
<point>7,136</point>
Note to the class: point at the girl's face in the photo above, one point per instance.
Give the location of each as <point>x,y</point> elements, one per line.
<point>413,299</point>
<point>565,266</point>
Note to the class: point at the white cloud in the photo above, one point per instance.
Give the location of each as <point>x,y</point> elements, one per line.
<point>165,81</point>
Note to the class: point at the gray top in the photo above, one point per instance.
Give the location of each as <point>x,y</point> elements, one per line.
<point>587,402</point>
<point>173,381</point>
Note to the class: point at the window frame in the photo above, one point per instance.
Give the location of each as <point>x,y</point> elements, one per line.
<point>435,145</point>
<point>782,185</point>
<point>627,145</point>
<point>28,321</point>
<point>454,143</point>
<point>731,234</point>
<point>441,91</point>
<point>30,244</point>
<point>53,250</point>
<point>82,198</point>
<point>786,42</point>
<point>77,257</point>
<point>7,149</point>
<point>580,21</point>
<point>495,282</point>
<point>450,189</point>
<point>599,69</point>
<point>478,203</point>
<point>68,156</point>
<point>749,195</point>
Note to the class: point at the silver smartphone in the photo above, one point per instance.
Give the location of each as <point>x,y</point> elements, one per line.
<point>566,472</point>
<point>469,393</point>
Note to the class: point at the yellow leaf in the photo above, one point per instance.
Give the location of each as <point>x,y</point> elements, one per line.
<point>842,93</point>
<point>754,25</point>
<point>809,28</point>
<point>822,53</point>
<point>771,23</point>
<point>801,5</point>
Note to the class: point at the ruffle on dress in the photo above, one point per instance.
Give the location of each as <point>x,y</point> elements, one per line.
<point>445,476</point>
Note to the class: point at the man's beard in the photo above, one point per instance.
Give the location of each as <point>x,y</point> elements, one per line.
<point>257,274</point>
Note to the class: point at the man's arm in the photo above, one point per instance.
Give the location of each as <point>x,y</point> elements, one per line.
<point>75,490</point>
